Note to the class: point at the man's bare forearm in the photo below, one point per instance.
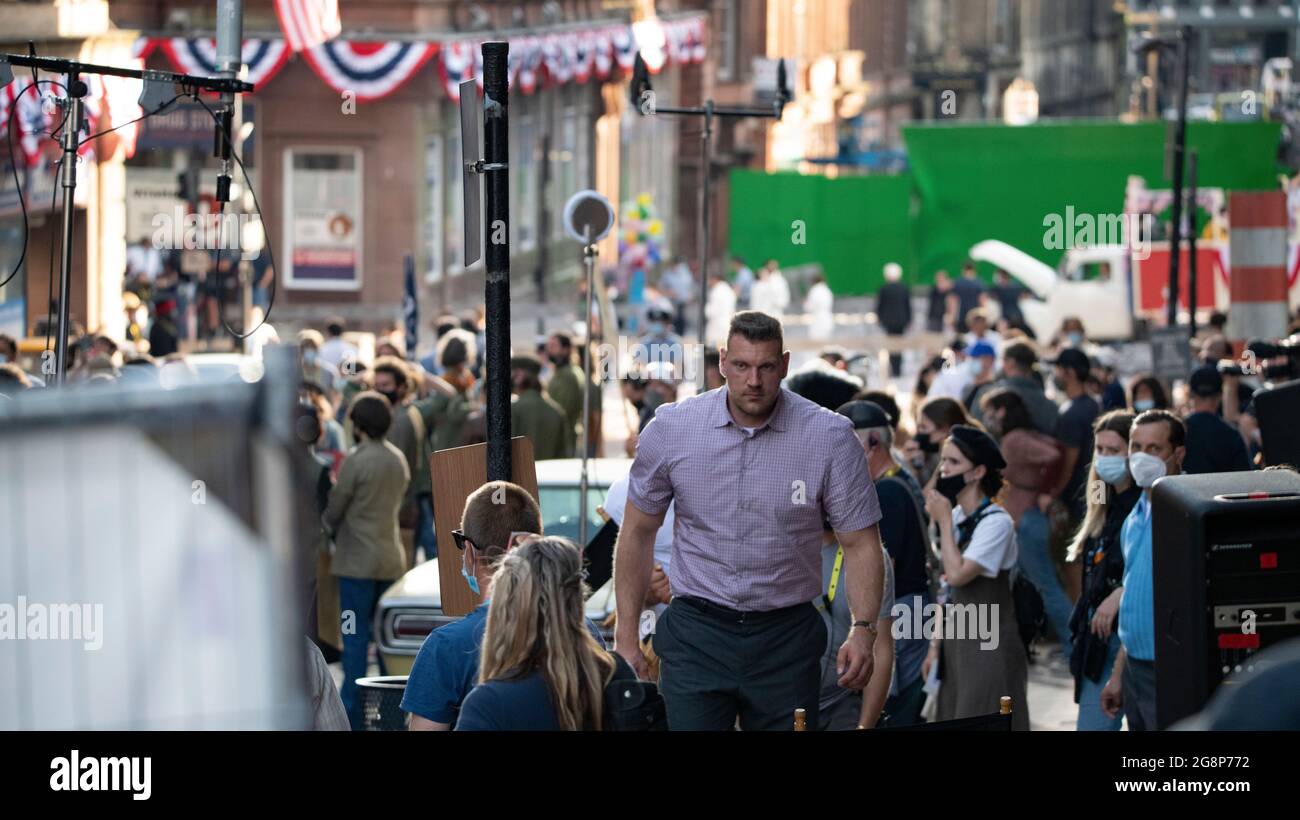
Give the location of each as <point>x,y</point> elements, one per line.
<point>864,571</point>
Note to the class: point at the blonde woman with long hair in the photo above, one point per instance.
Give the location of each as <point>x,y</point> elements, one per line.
<point>540,668</point>
<point>1111,496</point>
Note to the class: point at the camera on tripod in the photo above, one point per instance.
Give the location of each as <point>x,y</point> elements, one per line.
<point>1273,360</point>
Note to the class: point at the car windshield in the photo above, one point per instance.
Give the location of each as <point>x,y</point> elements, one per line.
<point>560,513</point>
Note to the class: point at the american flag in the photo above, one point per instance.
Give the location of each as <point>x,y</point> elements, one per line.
<point>308,23</point>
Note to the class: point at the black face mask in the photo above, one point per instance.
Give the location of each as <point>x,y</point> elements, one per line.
<point>951,486</point>
<point>393,398</point>
<point>927,444</point>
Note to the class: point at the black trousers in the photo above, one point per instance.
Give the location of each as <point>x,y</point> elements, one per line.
<point>717,665</point>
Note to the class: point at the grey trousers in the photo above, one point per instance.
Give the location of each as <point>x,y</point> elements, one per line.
<point>1139,683</point>
<point>717,665</point>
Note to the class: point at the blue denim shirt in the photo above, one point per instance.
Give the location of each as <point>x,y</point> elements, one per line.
<point>1137,606</point>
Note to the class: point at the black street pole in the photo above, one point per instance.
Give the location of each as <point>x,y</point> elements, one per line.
<point>496,228</point>
<point>706,173</point>
<point>1191,243</point>
<point>543,226</point>
<point>1180,146</point>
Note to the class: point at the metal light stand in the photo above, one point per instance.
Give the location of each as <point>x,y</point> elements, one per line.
<point>641,94</point>
<point>76,89</point>
<point>589,253</point>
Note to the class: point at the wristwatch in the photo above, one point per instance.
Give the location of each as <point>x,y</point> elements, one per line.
<point>869,625</point>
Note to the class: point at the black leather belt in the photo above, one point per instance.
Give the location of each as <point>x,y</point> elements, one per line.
<point>724,613</point>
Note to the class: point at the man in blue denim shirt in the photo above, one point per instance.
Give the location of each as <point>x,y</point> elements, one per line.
<point>1156,448</point>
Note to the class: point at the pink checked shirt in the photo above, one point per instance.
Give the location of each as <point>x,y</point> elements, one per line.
<point>750,508</point>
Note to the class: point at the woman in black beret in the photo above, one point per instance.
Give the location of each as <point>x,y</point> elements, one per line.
<point>981,657</point>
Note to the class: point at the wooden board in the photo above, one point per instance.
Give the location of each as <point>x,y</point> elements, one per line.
<point>456,473</point>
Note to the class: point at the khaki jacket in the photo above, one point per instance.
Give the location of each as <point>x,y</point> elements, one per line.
<point>362,513</point>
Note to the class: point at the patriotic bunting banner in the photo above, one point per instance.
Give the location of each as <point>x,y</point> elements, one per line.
<point>526,63</point>
<point>459,59</point>
<point>624,47</point>
<point>371,70</point>
<point>111,103</point>
<point>263,58</point>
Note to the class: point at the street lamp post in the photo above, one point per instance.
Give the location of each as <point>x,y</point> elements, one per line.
<point>1180,45</point>
<point>644,101</point>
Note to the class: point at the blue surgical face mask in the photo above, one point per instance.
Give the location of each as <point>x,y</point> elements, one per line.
<point>1111,469</point>
<point>1075,337</point>
<point>657,328</point>
<point>1143,405</point>
<point>309,357</point>
<point>469,579</point>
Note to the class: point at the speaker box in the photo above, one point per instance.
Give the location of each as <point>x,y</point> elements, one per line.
<point>1226,564</point>
<point>1278,411</point>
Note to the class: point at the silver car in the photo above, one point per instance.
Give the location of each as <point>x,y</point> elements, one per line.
<point>412,607</point>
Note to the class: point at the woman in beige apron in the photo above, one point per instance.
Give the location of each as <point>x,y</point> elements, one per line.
<point>980,655</point>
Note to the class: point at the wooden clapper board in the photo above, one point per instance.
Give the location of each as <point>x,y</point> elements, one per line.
<point>456,473</point>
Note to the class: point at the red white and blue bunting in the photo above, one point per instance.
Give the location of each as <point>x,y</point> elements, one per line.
<point>110,104</point>
<point>373,70</point>
<point>262,58</point>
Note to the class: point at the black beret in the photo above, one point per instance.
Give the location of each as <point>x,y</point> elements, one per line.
<point>980,445</point>
<point>865,414</point>
<point>825,386</point>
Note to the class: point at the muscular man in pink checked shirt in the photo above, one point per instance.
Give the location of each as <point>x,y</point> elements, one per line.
<point>755,472</point>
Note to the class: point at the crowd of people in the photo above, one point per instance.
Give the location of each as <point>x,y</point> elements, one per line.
<point>1015,478</point>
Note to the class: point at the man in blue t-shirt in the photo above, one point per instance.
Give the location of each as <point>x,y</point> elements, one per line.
<point>446,668</point>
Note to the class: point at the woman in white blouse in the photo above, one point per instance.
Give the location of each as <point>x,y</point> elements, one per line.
<point>980,654</point>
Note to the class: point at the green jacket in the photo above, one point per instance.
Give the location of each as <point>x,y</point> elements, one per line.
<point>542,420</point>
<point>443,420</point>
<point>448,414</point>
<point>565,388</point>
<point>362,512</point>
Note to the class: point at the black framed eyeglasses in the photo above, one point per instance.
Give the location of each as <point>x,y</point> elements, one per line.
<point>459,537</point>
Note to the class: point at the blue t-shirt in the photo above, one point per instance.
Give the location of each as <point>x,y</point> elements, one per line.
<point>446,668</point>
<point>522,705</point>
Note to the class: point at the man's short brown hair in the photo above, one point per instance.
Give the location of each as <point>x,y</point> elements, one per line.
<point>495,510</point>
<point>756,326</point>
<point>1177,429</point>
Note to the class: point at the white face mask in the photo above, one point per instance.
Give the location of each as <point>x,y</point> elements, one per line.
<point>1146,468</point>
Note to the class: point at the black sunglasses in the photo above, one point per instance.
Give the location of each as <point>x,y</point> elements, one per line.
<point>459,537</point>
